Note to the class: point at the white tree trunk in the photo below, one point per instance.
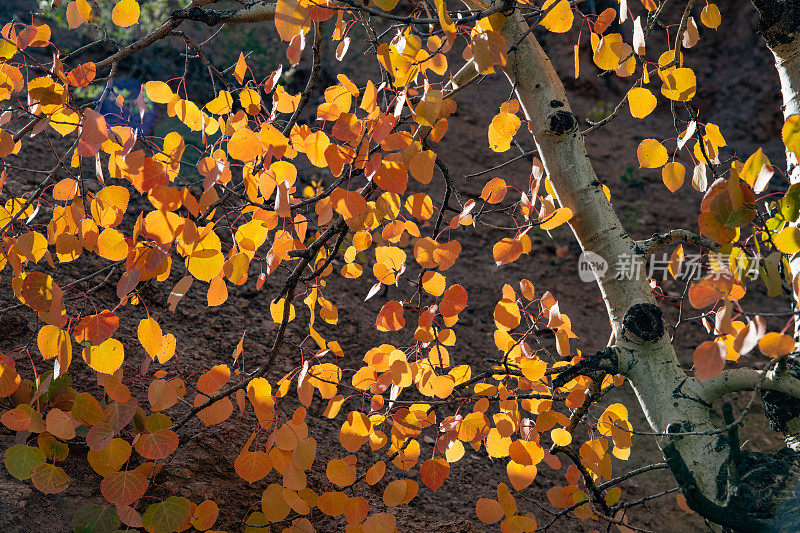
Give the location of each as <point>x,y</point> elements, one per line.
<point>671,401</point>
<point>780,26</point>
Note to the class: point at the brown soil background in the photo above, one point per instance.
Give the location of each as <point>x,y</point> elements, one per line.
<point>738,90</point>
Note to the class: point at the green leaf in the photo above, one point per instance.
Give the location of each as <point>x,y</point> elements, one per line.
<point>790,203</point>
<point>20,460</point>
<point>167,516</point>
<point>95,519</point>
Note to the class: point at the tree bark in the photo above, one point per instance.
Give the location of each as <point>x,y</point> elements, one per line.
<point>704,465</point>
<point>780,26</point>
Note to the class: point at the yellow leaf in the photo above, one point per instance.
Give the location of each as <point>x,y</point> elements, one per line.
<point>502,129</point>
<point>111,245</point>
<point>642,102</point>
<point>561,215</point>
<point>150,335</point>
<point>559,16</point>
<point>276,311</point>
<point>651,154</point>
<point>314,146</point>
<point>220,105</point>
<point>125,13</point>
<point>561,437</point>
<point>188,113</point>
<point>106,357</point>
<point>710,16</point>
<point>788,240</point>
<point>159,92</point>
<point>291,18</point>
<point>679,85</point>
<point>673,174</point>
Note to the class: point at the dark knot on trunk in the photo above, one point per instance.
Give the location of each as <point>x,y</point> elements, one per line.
<point>644,321</point>
<point>562,122</point>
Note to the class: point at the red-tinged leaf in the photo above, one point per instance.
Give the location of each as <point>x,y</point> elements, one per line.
<point>390,317</point>
<point>16,419</point>
<point>128,281</point>
<point>82,75</point>
<point>167,516</point>
<point>94,329</point>
<point>213,380</point>
<point>129,516</point>
<point>123,487</point>
<point>49,479</point>
<point>434,472</point>
<point>179,291</point>
<point>99,436</point>
<point>158,445</point>
<point>709,360</point>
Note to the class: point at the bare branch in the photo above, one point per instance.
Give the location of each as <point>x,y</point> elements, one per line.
<point>311,85</point>
<point>658,240</point>
<point>741,379</point>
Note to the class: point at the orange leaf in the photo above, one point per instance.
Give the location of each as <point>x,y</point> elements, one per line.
<point>252,466</point>
<point>340,473</point>
<point>94,329</point>
<point>205,515</point>
<point>123,487</point>
<point>60,424</point>
<point>215,413</point>
<point>708,290</point>
<point>776,344</point>
<point>213,380</point>
<point>434,472</point>
<point>673,175</point>
<point>82,75</point>
<point>506,251</point>
<point>489,511</point>
<point>709,359</point>
<point>390,317</point>
<point>494,191</point>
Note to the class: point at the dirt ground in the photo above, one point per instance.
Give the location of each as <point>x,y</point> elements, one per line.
<point>738,91</point>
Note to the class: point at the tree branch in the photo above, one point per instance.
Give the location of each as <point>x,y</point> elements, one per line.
<point>604,361</point>
<point>741,379</point>
<point>658,240</point>
<point>257,12</point>
<point>311,85</point>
